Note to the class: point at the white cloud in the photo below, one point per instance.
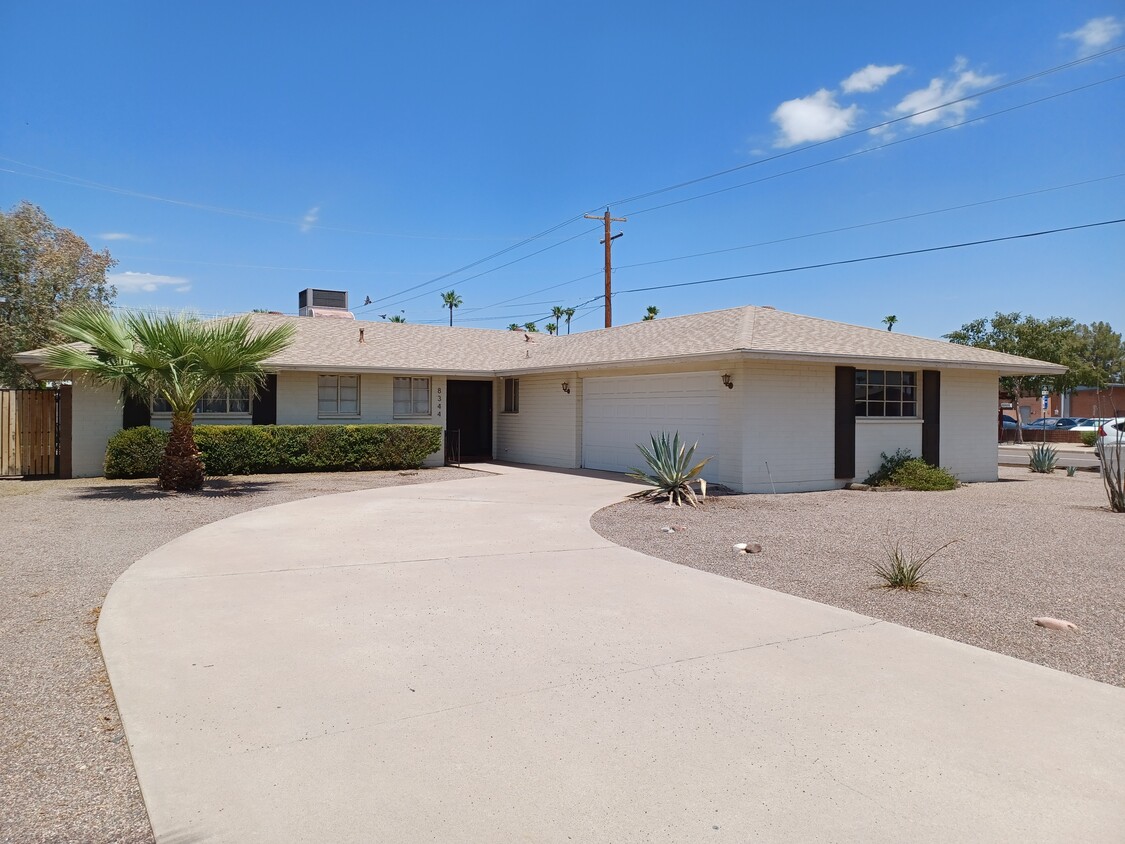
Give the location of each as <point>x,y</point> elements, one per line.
<point>1095,35</point>
<point>130,282</point>
<point>310,218</point>
<point>870,78</point>
<point>961,83</point>
<point>122,236</point>
<point>817,117</point>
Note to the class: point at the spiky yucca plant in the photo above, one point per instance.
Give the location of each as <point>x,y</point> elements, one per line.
<point>1043,459</point>
<point>671,470</point>
<point>905,566</point>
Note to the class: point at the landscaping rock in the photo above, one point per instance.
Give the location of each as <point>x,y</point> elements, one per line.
<point>857,486</point>
<point>747,548</point>
<point>1056,624</point>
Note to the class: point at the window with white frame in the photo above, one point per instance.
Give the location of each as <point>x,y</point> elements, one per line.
<point>217,401</point>
<point>886,393</point>
<point>337,395</point>
<point>511,395</point>
<point>412,397</point>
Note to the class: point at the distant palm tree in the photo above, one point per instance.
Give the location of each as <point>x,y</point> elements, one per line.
<point>569,316</point>
<point>451,300</point>
<point>558,312</point>
<point>551,327</point>
<point>531,327</point>
<point>396,318</point>
<point>515,326</point>
<point>890,321</point>
<point>177,358</point>
<point>650,313</point>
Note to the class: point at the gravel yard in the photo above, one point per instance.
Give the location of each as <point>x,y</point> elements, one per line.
<point>67,774</point>
<point>1031,545</point>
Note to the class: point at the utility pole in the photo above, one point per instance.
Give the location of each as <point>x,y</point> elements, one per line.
<point>608,260</point>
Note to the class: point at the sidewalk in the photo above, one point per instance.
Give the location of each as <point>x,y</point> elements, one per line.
<point>470,661</point>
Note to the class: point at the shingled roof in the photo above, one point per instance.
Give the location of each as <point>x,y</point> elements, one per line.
<point>327,345</point>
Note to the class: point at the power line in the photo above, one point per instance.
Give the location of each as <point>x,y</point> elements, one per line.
<point>994,89</point>
<point>963,245</point>
<point>877,147</point>
<point>873,222</point>
<point>1024,79</point>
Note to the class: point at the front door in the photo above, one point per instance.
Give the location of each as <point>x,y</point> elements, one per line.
<point>469,411</point>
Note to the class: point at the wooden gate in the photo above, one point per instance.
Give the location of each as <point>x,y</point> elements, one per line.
<point>29,441</point>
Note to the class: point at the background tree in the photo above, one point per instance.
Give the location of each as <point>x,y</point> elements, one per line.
<point>551,327</point>
<point>45,271</point>
<point>1102,354</point>
<point>1054,339</point>
<point>531,327</point>
<point>177,358</point>
<point>650,313</point>
<point>889,320</point>
<point>558,314</point>
<point>451,300</point>
<point>569,313</point>
<point>515,326</point>
<point>399,318</point>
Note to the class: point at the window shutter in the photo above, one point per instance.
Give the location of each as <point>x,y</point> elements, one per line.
<point>263,410</point>
<point>931,416</point>
<point>845,422</point>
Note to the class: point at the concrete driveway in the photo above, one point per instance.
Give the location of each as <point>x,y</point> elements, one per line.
<point>469,661</point>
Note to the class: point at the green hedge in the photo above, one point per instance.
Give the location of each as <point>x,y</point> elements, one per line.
<point>262,449</point>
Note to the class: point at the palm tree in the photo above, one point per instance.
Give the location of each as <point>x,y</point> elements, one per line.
<point>558,312</point>
<point>890,321</point>
<point>551,327</point>
<point>569,316</point>
<point>515,326</point>
<point>531,327</point>
<point>451,300</point>
<point>174,357</point>
<point>650,313</point>
<point>396,318</point>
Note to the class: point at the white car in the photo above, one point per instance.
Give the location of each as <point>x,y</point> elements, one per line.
<point>1111,435</point>
<point>1088,425</point>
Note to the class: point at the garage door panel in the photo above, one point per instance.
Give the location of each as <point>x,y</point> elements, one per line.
<point>620,412</point>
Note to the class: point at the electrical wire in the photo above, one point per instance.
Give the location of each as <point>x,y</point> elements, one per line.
<point>945,247</point>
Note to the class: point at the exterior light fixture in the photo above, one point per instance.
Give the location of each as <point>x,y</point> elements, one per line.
<point>727,381</point>
<point>566,387</point>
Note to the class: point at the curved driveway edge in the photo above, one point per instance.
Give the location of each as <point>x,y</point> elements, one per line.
<point>470,661</point>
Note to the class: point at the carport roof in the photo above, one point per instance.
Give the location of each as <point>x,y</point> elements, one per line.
<point>337,345</point>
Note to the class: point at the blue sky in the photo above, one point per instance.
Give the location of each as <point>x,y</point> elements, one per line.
<point>230,155</point>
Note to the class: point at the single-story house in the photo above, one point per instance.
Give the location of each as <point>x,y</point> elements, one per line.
<point>780,401</point>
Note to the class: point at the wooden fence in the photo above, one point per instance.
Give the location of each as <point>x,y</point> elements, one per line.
<point>29,444</point>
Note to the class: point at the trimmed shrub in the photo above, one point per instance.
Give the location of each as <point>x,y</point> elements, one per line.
<point>135,453</point>
<point>265,449</point>
<point>1089,438</point>
<point>921,476</point>
<point>882,475</point>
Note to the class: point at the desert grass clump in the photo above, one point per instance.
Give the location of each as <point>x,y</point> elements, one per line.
<point>920,476</point>
<point>1043,459</point>
<point>671,470</point>
<point>904,566</point>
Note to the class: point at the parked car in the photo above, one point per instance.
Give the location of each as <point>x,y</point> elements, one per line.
<point>1008,423</point>
<point>1088,425</point>
<point>1047,423</point>
<point>1111,435</point>
<point>1065,423</point>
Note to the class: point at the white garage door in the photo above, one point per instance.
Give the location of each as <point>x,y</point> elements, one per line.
<point>619,413</point>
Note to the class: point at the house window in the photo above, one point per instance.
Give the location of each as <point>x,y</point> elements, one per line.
<point>216,401</point>
<point>412,397</point>
<point>511,395</point>
<point>886,393</point>
<point>337,395</point>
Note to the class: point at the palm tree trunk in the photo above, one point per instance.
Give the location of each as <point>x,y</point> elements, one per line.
<point>182,467</point>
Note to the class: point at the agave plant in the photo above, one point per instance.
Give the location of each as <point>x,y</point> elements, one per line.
<point>670,470</point>
<point>1043,459</point>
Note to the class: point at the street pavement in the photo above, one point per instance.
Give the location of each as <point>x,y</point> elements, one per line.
<point>469,661</point>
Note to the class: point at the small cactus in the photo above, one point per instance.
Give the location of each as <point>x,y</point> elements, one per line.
<point>1070,470</point>
<point>1043,459</point>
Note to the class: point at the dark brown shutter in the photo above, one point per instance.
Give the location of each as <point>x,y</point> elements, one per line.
<point>135,413</point>
<point>931,416</point>
<point>263,409</point>
<point>845,422</point>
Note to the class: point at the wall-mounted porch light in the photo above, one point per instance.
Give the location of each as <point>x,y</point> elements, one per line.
<point>728,382</point>
<point>566,387</point>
